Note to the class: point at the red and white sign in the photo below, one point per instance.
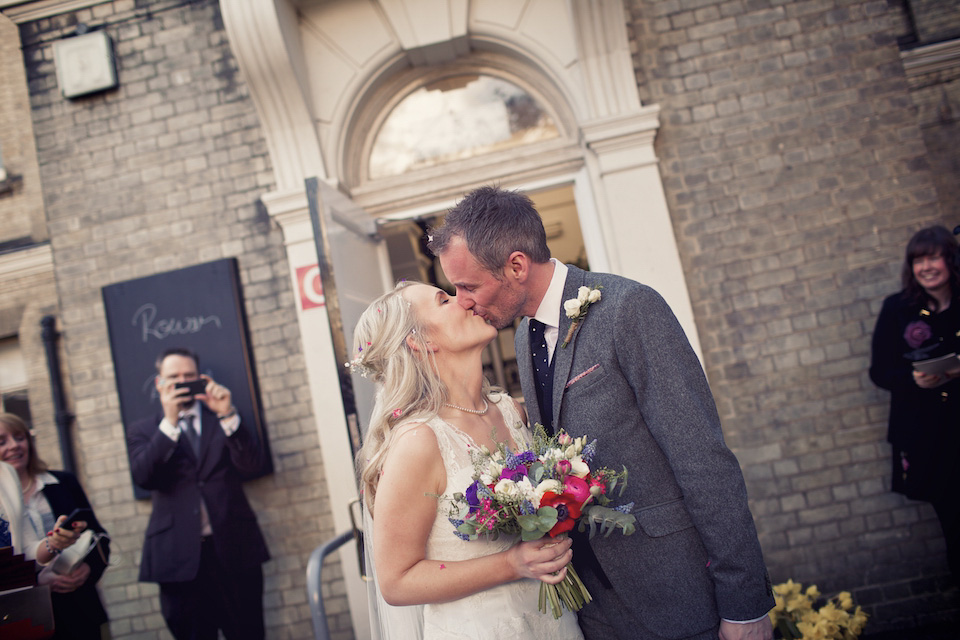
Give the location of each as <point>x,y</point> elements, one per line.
<point>310,287</point>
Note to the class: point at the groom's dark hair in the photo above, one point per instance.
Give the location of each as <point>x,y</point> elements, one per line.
<point>493,223</point>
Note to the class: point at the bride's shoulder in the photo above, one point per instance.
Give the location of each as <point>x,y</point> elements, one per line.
<point>413,441</point>
<point>509,406</point>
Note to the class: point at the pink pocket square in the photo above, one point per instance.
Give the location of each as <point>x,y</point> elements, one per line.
<point>581,375</point>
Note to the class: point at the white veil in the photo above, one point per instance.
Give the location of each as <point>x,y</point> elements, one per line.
<point>387,622</point>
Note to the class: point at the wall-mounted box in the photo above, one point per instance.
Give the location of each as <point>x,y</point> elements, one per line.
<point>85,64</point>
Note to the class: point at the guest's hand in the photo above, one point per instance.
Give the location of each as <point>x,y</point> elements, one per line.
<point>545,559</point>
<point>928,380</point>
<point>171,399</point>
<point>71,581</point>
<point>216,396</point>
<point>62,536</point>
<point>762,629</point>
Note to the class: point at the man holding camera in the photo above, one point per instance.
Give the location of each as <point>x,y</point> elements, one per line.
<point>202,544</point>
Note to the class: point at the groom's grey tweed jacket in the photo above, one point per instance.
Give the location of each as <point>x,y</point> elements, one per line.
<point>695,557</point>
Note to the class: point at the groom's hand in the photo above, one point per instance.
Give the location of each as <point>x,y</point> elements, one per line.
<point>545,559</point>
<point>762,629</point>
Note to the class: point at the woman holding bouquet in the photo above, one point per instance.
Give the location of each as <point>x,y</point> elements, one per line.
<point>919,323</point>
<point>433,405</point>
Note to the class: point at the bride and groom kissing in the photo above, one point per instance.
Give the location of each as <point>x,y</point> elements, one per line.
<point>617,368</point>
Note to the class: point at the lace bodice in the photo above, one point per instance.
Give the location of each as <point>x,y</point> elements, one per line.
<point>509,610</point>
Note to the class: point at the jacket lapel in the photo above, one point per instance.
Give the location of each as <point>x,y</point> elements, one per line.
<point>563,356</point>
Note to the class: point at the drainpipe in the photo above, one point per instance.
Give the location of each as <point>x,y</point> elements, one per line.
<point>63,417</point>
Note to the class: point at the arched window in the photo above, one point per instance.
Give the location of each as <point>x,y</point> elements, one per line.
<point>455,118</point>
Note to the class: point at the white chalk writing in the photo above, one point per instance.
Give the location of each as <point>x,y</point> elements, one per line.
<point>146,318</point>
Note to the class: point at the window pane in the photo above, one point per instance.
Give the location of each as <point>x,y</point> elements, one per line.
<point>457,118</point>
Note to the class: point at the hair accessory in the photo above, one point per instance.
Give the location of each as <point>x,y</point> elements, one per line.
<point>397,413</point>
<point>478,412</point>
<point>357,366</point>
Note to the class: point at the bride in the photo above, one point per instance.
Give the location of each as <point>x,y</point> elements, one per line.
<point>433,405</point>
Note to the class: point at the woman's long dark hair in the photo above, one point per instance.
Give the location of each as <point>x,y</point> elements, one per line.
<point>932,241</point>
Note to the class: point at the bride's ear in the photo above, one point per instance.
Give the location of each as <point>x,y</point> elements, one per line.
<point>417,345</point>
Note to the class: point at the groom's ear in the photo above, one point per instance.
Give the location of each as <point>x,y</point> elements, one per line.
<point>517,267</point>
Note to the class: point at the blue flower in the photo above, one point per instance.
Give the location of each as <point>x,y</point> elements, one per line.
<point>589,451</point>
<point>624,508</point>
<point>526,508</point>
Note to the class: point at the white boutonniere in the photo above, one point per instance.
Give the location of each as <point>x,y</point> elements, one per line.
<point>576,308</point>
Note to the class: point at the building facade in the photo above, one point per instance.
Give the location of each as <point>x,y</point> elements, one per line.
<point>762,163</point>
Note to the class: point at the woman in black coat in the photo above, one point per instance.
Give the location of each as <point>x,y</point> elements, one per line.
<point>919,323</point>
<point>77,610</point>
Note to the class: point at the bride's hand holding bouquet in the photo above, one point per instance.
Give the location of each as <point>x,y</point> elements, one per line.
<point>543,491</point>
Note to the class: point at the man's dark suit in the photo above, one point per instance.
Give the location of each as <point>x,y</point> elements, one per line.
<point>177,480</point>
<point>630,379</point>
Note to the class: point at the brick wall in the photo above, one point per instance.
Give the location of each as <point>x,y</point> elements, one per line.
<point>936,95</point>
<point>796,170</point>
<point>935,20</point>
<point>161,173</point>
<point>22,201</point>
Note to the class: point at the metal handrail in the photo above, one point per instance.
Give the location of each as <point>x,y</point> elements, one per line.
<point>314,582</point>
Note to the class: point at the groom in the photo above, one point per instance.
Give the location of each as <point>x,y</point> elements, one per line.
<point>626,375</point>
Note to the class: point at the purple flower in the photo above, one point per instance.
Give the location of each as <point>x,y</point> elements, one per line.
<point>517,474</point>
<point>917,333</point>
<point>471,495</point>
<point>522,458</point>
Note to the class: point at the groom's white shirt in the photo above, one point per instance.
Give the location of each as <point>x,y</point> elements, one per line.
<point>549,310</point>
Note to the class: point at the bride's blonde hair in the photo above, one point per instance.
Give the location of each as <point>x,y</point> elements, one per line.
<point>390,346</point>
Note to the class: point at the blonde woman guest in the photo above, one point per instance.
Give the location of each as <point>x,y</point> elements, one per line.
<point>433,404</point>
<point>48,497</point>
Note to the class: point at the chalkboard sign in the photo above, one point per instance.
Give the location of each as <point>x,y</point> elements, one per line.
<point>199,308</point>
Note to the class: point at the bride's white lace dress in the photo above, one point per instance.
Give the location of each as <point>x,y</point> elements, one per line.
<point>509,610</point>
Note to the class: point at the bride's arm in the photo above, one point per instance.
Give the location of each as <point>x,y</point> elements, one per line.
<point>406,506</point>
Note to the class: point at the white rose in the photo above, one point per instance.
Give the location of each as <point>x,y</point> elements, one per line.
<point>572,307</point>
<point>526,488</point>
<point>582,294</point>
<point>554,486</point>
<point>594,296</point>
<point>578,467</point>
<point>507,488</point>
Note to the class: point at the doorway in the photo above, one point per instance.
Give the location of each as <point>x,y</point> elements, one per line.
<point>405,240</point>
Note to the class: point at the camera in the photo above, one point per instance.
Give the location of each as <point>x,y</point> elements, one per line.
<point>193,386</point>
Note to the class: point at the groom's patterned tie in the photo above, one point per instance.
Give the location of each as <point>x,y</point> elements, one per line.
<point>543,370</point>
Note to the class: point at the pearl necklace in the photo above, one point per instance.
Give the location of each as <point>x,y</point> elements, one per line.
<point>478,412</point>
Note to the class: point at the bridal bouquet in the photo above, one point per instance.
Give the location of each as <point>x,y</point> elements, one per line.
<point>545,490</point>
